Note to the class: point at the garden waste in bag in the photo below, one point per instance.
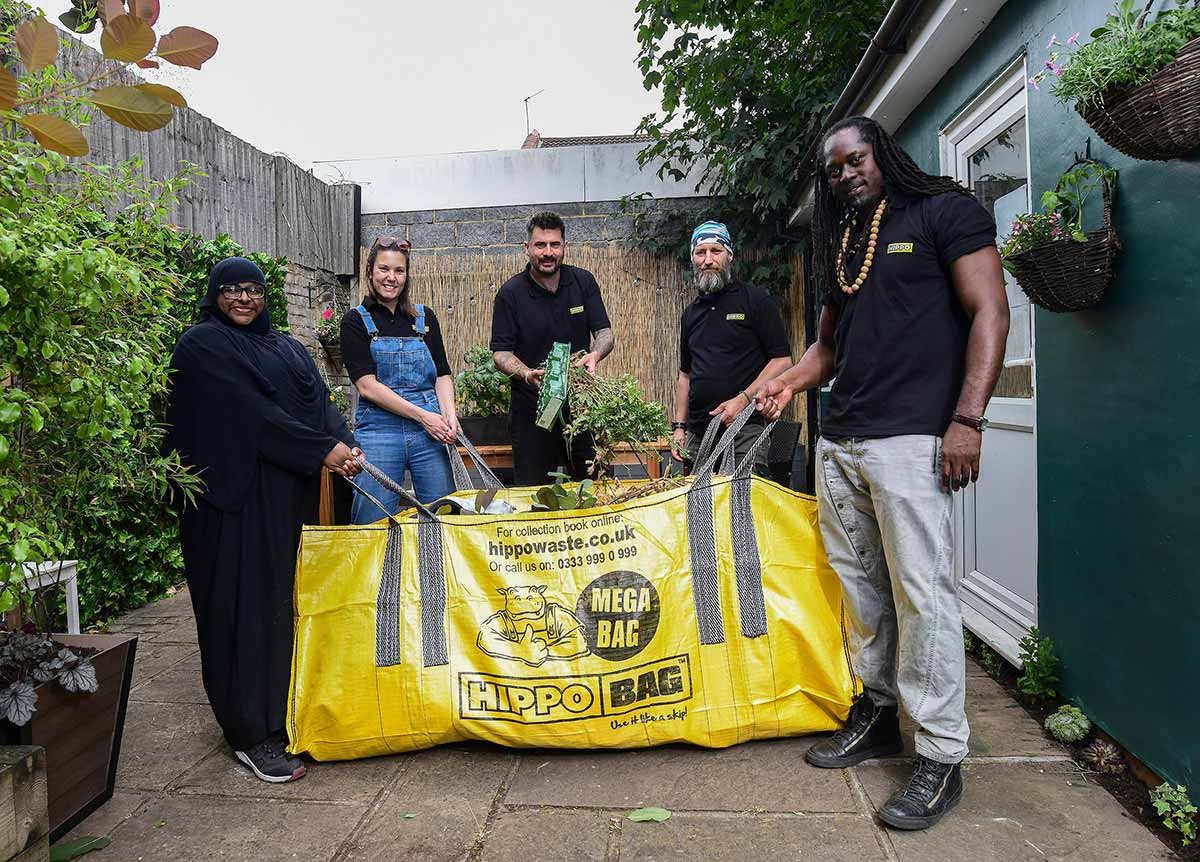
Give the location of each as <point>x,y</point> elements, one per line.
<point>705,614</point>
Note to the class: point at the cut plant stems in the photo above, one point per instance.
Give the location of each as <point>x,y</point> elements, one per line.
<point>614,412</point>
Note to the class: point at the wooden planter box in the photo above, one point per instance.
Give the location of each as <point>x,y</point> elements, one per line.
<point>80,732</point>
<point>486,430</point>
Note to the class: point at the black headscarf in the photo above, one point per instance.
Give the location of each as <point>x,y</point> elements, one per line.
<point>228,381</point>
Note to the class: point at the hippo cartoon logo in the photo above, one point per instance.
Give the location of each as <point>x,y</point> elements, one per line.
<point>531,630</point>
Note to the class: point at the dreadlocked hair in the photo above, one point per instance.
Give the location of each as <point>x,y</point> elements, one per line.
<point>900,174</point>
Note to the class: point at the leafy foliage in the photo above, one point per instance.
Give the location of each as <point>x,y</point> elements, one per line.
<point>1176,810</point>
<point>558,498</point>
<point>1072,191</point>
<point>652,814</point>
<point>50,105</point>
<point>1068,724</point>
<point>28,660</point>
<point>1125,52</point>
<point>85,333</point>
<point>1029,230</point>
<point>94,290</point>
<point>1063,216</point>
<point>1039,673</point>
<point>991,661</point>
<point>65,851</point>
<point>746,86</point>
<point>481,389</point>
<point>613,411</point>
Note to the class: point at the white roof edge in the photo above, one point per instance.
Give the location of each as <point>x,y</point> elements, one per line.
<point>939,37</point>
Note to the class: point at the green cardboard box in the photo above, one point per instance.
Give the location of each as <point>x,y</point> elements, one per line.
<point>554,385</point>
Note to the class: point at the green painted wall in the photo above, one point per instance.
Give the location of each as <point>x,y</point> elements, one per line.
<point>1118,418</point>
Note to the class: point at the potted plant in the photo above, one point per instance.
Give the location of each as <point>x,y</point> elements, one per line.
<point>67,694</point>
<point>1058,265</point>
<point>1135,82</point>
<point>329,333</point>
<point>482,393</point>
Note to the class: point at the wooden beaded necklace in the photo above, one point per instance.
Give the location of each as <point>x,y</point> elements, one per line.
<point>866,267</point>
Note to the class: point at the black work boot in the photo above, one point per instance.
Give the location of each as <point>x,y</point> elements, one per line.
<point>871,731</point>
<point>933,790</point>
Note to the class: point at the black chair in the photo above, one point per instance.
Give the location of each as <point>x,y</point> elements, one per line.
<point>781,454</point>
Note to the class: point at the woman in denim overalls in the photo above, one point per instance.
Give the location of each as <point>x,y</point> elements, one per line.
<point>405,412</point>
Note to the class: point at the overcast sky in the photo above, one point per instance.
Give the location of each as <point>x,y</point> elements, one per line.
<point>367,78</point>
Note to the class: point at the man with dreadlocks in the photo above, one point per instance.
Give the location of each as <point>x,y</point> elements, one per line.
<point>912,333</point>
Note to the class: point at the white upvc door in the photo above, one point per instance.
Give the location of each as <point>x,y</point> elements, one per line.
<point>986,148</point>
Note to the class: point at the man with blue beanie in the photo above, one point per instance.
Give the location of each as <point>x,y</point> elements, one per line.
<point>731,341</point>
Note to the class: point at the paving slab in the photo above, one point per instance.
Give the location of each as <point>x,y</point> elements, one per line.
<point>109,815</point>
<point>162,741</point>
<point>449,795</point>
<point>516,836</point>
<point>221,774</point>
<point>1000,727</point>
<point>152,659</point>
<point>691,837</point>
<point>177,605</point>
<point>178,631</point>
<point>182,830</point>
<point>172,686</point>
<point>768,775</point>
<point>1020,813</point>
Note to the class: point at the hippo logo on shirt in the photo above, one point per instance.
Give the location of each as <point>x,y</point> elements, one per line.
<point>531,630</point>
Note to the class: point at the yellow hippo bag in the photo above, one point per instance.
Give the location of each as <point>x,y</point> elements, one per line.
<point>706,613</point>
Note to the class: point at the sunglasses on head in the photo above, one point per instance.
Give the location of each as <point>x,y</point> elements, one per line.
<point>389,242</point>
<point>233,291</point>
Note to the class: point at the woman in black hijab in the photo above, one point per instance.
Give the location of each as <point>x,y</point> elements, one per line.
<point>250,412</point>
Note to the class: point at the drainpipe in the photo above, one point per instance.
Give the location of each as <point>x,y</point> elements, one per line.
<point>895,24</point>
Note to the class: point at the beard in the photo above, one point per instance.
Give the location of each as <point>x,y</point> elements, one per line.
<point>709,281</point>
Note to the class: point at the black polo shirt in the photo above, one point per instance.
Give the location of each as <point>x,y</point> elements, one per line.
<point>725,341</point>
<point>356,343</point>
<point>527,319</point>
<point>900,343</point>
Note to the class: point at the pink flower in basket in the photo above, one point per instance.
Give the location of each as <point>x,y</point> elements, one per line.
<point>327,314</point>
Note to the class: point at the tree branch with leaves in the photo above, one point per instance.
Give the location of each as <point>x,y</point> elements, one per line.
<point>50,104</point>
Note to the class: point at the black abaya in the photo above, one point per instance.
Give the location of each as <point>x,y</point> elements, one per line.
<point>249,410</point>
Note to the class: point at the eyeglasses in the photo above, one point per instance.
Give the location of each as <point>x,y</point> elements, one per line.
<point>233,291</point>
<point>386,242</point>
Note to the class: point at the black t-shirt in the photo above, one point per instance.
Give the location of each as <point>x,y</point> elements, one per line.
<point>900,343</point>
<point>725,340</point>
<point>356,343</point>
<point>527,319</point>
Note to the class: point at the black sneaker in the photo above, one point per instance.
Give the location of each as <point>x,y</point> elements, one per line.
<point>871,731</point>
<point>270,761</point>
<point>933,790</point>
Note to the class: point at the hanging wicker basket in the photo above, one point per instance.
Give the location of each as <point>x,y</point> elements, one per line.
<point>1158,120</point>
<point>332,349</point>
<point>1066,275</point>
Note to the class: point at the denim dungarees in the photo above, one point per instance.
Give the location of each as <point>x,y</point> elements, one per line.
<point>394,443</point>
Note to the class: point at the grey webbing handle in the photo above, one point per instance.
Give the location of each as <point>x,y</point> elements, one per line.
<point>702,537</point>
<point>747,565</point>
<point>702,540</point>
<point>724,447</point>
<point>462,478</point>
<point>431,574</point>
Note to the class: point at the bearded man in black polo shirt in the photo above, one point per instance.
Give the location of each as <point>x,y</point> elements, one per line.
<point>550,301</point>
<point>731,341</point>
<point>912,334</point>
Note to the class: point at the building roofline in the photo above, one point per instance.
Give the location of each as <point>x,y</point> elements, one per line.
<point>890,81</point>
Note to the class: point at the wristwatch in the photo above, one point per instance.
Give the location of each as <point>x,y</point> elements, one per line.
<point>678,426</point>
<point>979,423</point>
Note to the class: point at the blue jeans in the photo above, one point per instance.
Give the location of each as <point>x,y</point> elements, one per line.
<point>393,446</point>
